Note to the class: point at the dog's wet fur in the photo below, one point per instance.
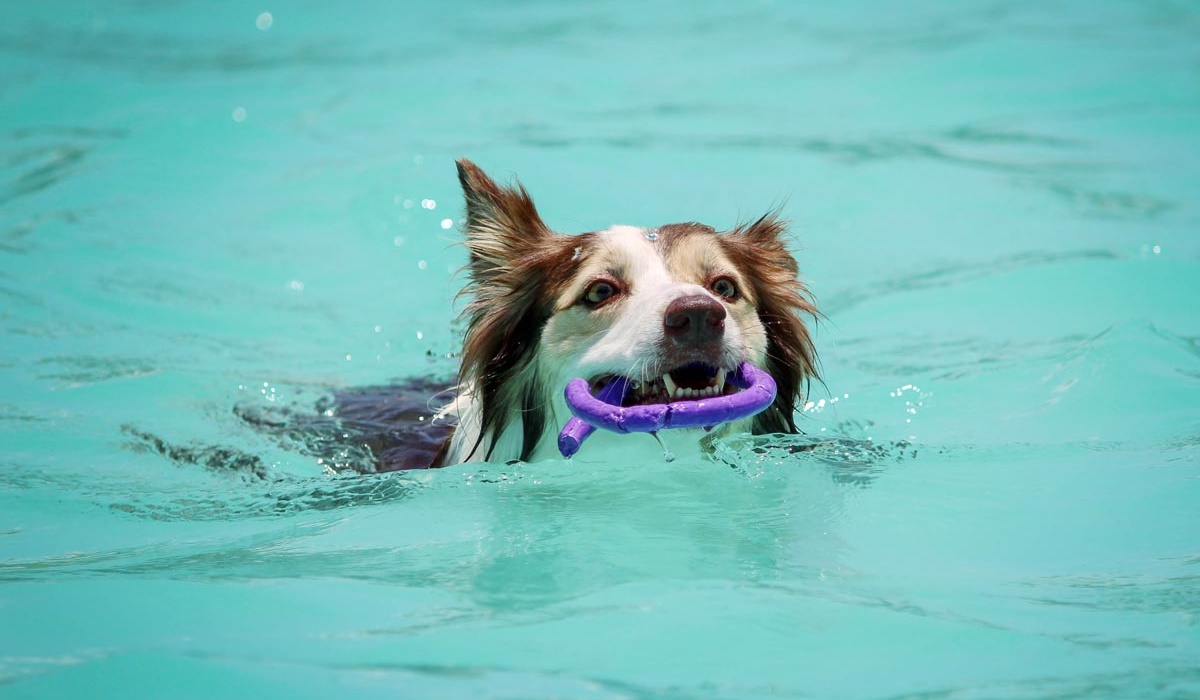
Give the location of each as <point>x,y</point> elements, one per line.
<point>366,429</point>
<point>673,308</point>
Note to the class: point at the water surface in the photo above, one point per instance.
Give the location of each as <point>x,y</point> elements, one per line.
<point>210,206</point>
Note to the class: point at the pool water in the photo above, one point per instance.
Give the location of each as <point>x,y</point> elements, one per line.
<point>207,206</point>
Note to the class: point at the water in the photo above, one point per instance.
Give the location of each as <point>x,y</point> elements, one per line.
<point>205,207</point>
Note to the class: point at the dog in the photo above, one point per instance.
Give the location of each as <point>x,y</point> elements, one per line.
<point>673,308</point>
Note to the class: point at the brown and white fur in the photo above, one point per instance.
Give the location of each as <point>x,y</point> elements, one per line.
<point>546,308</point>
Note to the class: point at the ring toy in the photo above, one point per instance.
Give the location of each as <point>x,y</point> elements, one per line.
<point>604,410</point>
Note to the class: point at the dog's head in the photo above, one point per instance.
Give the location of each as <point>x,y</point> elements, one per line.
<point>673,308</point>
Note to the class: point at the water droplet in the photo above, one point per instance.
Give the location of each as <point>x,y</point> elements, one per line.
<point>447,223</point>
<point>264,21</point>
<point>668,456</point>
<point>422,264</point>
<point>430,204</point>
<point>239,114</point>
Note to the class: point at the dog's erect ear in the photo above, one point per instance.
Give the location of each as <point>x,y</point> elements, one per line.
<point>766,236</point>
<point>517,267</point>
<point>782,300</point>
<point>502,223</point>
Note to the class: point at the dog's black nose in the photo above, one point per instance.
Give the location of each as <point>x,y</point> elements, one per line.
<point>694,319</point>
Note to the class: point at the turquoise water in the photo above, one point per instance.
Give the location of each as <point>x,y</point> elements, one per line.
<point>996,205</point>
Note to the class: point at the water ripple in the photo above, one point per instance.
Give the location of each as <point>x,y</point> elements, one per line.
<point>1163,680</point>
<point>952,274</point>
<point>1122,593</point>
<point>851,151</point>
<point>958,358</point>
<point>40,169</point>
<point>1101,204</point>
<point>216,458</point>
<point>17,238</point>
<point>36,158</point>
<point>851,460</point>
<point>73,372</point>
<point>144,52</point>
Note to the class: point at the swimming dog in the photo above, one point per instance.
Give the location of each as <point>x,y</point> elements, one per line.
<point>673,308</point>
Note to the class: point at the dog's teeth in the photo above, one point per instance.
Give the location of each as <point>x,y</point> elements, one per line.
<point>670,384</point>
<point>720,381</point>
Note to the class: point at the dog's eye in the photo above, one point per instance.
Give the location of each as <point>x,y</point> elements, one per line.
<point>599,292</point>
<point>724,287</point>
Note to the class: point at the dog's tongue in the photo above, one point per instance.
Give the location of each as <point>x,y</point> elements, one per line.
<point>605,410</point>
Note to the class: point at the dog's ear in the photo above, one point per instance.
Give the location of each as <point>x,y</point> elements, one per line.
<point>782,299</point>
<point>517,266</point>
<point>502,222</point>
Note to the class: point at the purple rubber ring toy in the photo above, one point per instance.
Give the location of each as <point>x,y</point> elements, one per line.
<point>605,410</point>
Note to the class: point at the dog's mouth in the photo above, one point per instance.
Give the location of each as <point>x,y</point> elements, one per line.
<point>753,391</point>
<point>694,380</point>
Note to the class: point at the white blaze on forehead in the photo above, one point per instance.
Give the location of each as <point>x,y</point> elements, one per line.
<point>623,252</point>
<point>638,255</point>
<point>624,231</point>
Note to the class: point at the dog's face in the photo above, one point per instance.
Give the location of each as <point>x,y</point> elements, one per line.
<point>673,308</point>
<point>670,308</point>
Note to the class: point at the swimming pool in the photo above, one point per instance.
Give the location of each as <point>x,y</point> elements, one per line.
<point>208,206</point>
